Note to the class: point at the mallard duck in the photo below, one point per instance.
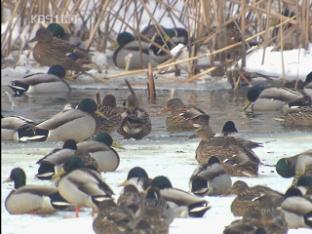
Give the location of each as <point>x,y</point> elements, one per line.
<point>268,99</point>
<point>196,207</point>
<point>210,179</point>
<point>243,227</point>
<point>235,154</point>
<point>50,50</point>
<point>297,116</point>
<point>131,199</point>
<point>49,164</point>
<point>78,124</point>
<point>138,177</point>
<point>229,128</point>
<point>297,209</point>
<point>136,122</point>
<point>289,167</point>
<point>14,128</point>
<point>100,149</point>
<point>304,184</point>
<point>51,82</point>
<point>135,54</point>
<point>108,114</point>
<point>82,186</point>
<point>26,199</point>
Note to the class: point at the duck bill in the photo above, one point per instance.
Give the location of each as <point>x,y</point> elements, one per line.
<point>117,145</point>
<point>34,39</point>
<point>7,180</point>
<point>58,174</point>
<point>99,113</point>
<point>247,105</point>
<point>123,184</point>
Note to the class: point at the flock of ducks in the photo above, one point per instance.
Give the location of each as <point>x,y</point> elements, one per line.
<point>149,205</point>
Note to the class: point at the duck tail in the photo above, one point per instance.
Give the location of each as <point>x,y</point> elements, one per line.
<point>198,209</point>
<point>45,171</point>
<point>58,202</point>
<point>308,219</point>
<point>18,88</point>
<point>31,133</point>
<point>97,199</point>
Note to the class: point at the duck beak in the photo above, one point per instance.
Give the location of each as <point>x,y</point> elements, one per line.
<point>34,39</point>
<point>58,174</point>
<point>123,184</point>
<point>247,104</point>
<point>7,180</point>
<point>99,113</point>
<point>117,145</point>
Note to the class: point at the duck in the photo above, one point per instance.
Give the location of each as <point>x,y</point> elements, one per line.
<point>297,209</point>
<point>296,116</point>
<point>229,128</point>
<point>210,179</point>
<point>289,167</point>
<point>131,199</point>
<point>100,149</point>
<point>82,186</point>
<point>235,154</point>
<point>50,50</point>
<point>108,114</point>
<point>136,122</point>
<point>180,201</point>
<point>42,83</point>
<point>138,177</point>
<point>32,199</point>
<point>15,128</point>
<point>274,98</point>
<point>53,161</point>
<point>135,54</point>
<point>250,198</point>
<point>77,124</point>
<point>243,227</point>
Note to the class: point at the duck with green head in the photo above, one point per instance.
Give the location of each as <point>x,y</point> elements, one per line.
<point>51,82</point>
<point>78,124</point>
<point>138,177</point>
<point>32,199</point>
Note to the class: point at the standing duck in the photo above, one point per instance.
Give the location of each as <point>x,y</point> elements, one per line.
<point>210,179</point>
<point>136,122</point>
<point>50,50</point>
<point>30,199</point>
<point>78,124</point>
<point>82,186</point>
<point>100,149</point>
<point>51,82</point>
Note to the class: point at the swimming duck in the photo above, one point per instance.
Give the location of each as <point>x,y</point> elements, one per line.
<point>82,186</point>
<point>135,54</point>
<point>51,82</point>
<point>297,209</point>
<point>269,99</point>
<point>297,165</point>
<point>50,50</point>
<point>235,154</point>
<point>297,116</point>
<point>30,199</point>
<point>138,177</point>
<point>100,149</point>
<point>108,114</point>
<point>78,124</point>
<point>210,179</point>
<point>136,122</point>
<point>14,128</point>
<point>196,207</point>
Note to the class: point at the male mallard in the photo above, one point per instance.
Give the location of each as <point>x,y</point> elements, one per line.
<point>51,82</point>
<point>138,177</point>
<point>196,207</point>
<point>297,209</point>
<point>273,98</point>
<point>229,128</point>
<point>135,54</point>
<point>136,122</point>
<point>297,116</point>
<point>50,51</point>
<point>100,149</point>
<point>297,165</point>
<point>78,124</point>
<point>210,179</point>
<point>25,199</point>
<point>235,154</point>
<point>82,186</point>
<point>108,114</point>
<point>14,128</point>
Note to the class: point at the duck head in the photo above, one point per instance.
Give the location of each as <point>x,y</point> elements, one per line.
<point>109,100</point>
<point>239,187</point>
<point>105,138</point>
<point>181,35</point>
<point>174,104</point>
<point>57,30</point>
<point>43,35</point>
<point>57,70</point>
<point>87,105</point>
<point>18,176</point>
<point>229,128</point>
<point>252,95</point>
<point>137,172</point>
<point>70,144</point>
<point>161,182</point>
<point>124,38</point>
<point>284,169</point>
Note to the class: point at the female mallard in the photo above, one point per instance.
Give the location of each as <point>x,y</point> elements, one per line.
<point>29,199</point>
<point>51,82</point>
<point>235,154</point>
<point>297,116</point>
<point>210,179</point>
<point>100,149</point>
<point>50,51</point>
<point>274,98</point>
<point>108,114</point>
<point>297,209</point>
<point>136,122</point>
<point>131,199</point>
<point>297,165</point>
<point>196,207</point>
<point>82,186</point>
<point>135,54</point>
<point>78,124</point>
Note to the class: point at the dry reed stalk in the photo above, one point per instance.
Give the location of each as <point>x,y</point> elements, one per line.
<point>282,51</point>
<point>151,85</point>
